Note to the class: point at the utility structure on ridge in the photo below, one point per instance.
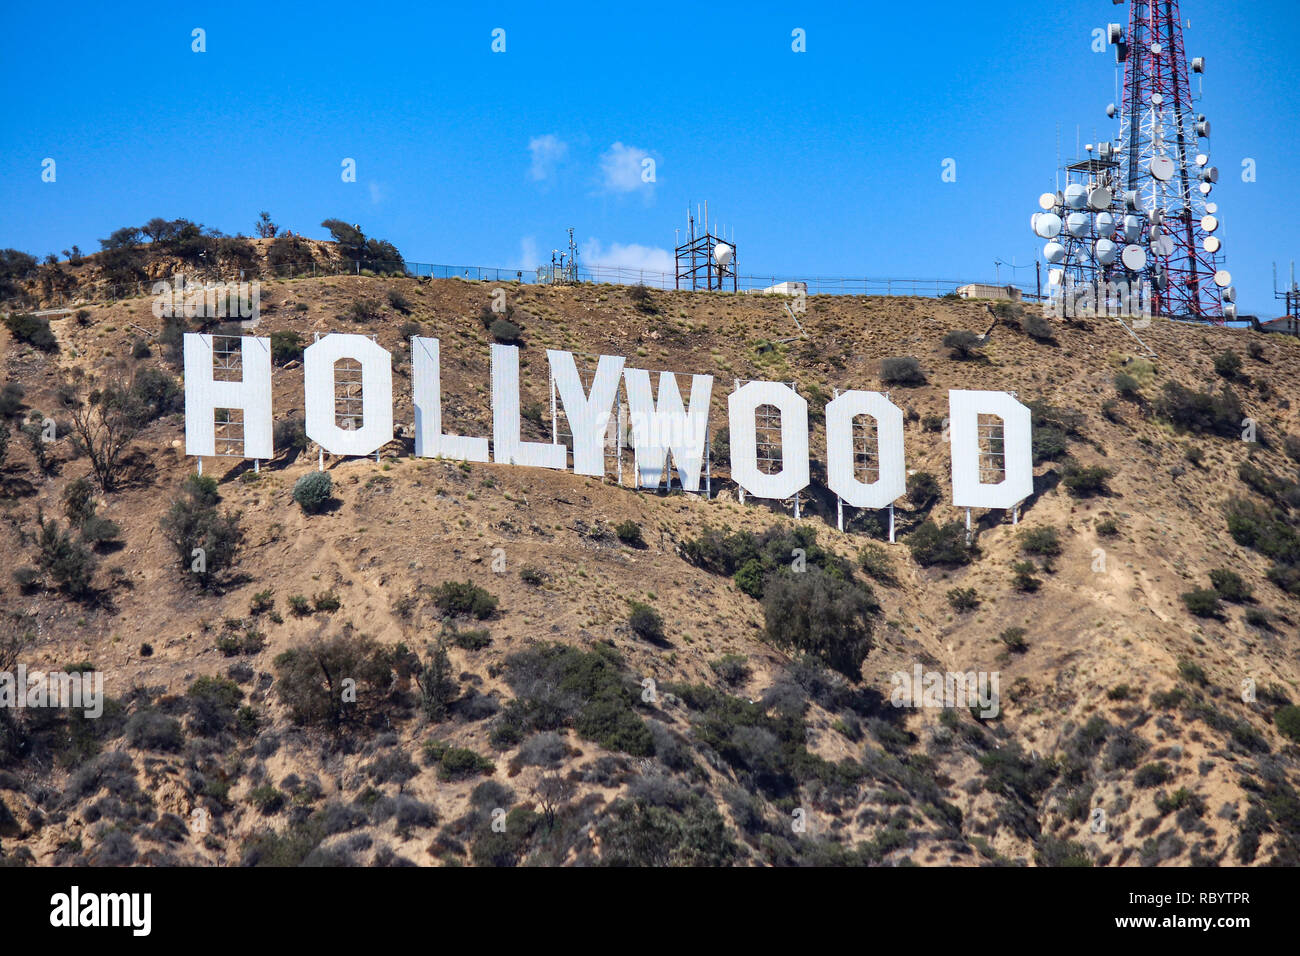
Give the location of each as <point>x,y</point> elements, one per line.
<point>705,261</point>
<point>1138,209</point>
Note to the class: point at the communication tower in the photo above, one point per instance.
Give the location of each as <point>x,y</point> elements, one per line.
<point>1140,209</point>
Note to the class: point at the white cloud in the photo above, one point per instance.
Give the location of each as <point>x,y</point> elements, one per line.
<point>548,152</point>
<point>528,257</point>
<point>621,167</point>
<point>627,256</point>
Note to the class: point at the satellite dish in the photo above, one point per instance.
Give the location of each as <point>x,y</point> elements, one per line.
<point>1230,294</point>
<point>1210,174</point>
<point>1223,278</point>
<point>1131,199</point>
<point>1211,207</point>
<point>1111,111</point>
<point>1229,312</point>
<point>1205,189</point>
<point>1132,228</point>
<point>1047,202</point>
<point>1078,224</point>
<point>1105,223</point>
<point>1134,258</point>
<point>1201,159</point>
<point>1162,280</point>
<point>1156,215</point>
<point>1157,99</point>
<point>1163,247</point>
<point>1212,244</point>
<point>1105,251</point>
<point>1046,225</point>
<point>1198,65</point>
<point>1114,31</point>
<point>1076,196</point>
<point>1162,168</point>
<point>1099,198</point>
<point>722,253</point>
<point>1157,49</point>
<point>1054,252</point>
<point>1210,223</point>
<point>1203,128</point>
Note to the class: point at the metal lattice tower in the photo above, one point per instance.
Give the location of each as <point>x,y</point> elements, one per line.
<point>1141,211</point>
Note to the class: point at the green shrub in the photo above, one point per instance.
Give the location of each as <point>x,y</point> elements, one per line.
<point>1015,639</point>
<point>437,682</point>
<point>1230,585</point>
<point>266,799</point>
<point>1084,481</point>
<point>820,615</point>
<point>313,491</point>
<point>557,685</point>
<point>1036,327</point>
<point>151,730</point>
<point>326,601</point>
<point>904,371</point>
<point>1024,579</point>
<point>1192,672</point>
<point>629,532</point>
<point>875,562</point>
<point>645,622</point>
<point>79,501</point>
<point>1227,364</point>
<point>1202,602</point>
<point>1108,528</point>
<point>32,329</point>
<point>923,489</point>
<point>457,599</point>
<point>262,602</point>
<point>98,531</point>
<point>459,763</point>
<point>194,522</point>
<point>1041,541</point>
<point>1152,775</point>
<point>69,563</point>
<point>931,544</point>
<point>963,599</point>
<point>731,669</point>
<point>506,332</point>
<point>532,575</point>
<point>1201,412</point>
<point>299,605</point>
<point>290,437</point>
<point>286,347</point>
<point>1127,385</point>
<point>399,302</point>
<point>1287,720</point>
<point>309,680</point>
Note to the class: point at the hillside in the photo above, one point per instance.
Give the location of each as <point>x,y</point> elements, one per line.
<point>1116,696</point>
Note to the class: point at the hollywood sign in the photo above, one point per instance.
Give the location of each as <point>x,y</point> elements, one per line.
<point>660,426</point>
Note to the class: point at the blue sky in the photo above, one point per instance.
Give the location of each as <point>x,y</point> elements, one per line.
<point>826,162</point>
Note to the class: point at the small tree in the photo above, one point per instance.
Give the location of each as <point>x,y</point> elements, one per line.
<point>79,502</point>
<point>70,564</point>
<point>436,681</point>
<point>266,229</point>
<point>820,615</point>
<point>193,523</point>
<point>103,433</point>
